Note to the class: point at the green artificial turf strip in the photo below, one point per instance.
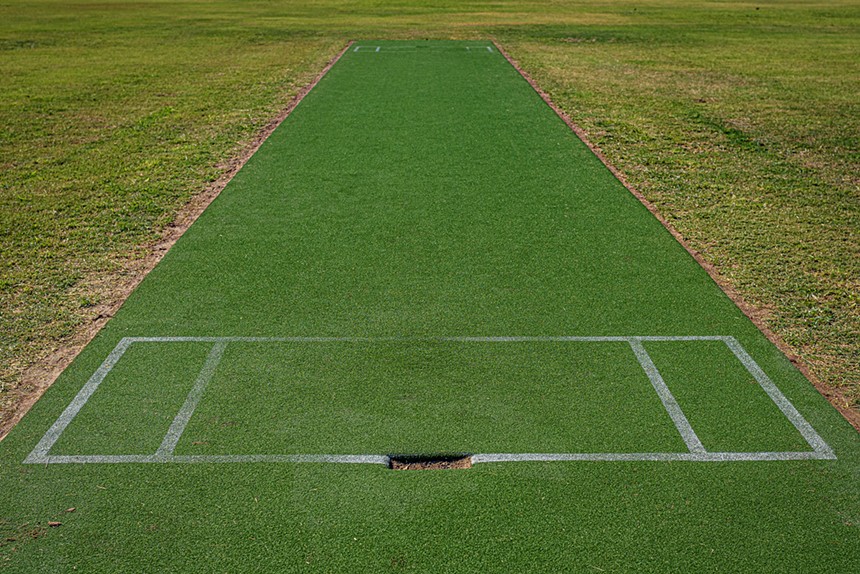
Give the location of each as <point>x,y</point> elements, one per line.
<point>737,120</point>
<point>418,193</point>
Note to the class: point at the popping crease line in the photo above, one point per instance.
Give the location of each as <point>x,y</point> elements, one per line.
<point>463,339</point>
<point>411,49</point>
<point>481,458</point>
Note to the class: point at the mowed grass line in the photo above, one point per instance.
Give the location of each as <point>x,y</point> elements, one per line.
<point>738,121</point>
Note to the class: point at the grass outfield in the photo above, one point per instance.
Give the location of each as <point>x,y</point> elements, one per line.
<point>424,258</point>
<point>738,121</point>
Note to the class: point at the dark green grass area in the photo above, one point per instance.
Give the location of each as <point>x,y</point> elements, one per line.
<point>523,518</point>
<point>427,191</point>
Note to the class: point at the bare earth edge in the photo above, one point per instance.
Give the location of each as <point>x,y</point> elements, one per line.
<point>39,378</point>
<point>834,396</point>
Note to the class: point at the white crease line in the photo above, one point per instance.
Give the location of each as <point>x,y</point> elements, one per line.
<point>191,459</point>
<point>476,458</point>
<point>791,413</point>
<point>562,339</point>
<point>331,458</point>
<point>71,411</point>
<point>515,339</point>
<point>671,405</point>
<point>263,339</point>
<point>177,427</point>
<point>652,456</point>
<point>94,459</point>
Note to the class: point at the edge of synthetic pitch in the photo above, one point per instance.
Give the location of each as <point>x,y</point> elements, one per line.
<point>42,376</point>
<point>833,395</point>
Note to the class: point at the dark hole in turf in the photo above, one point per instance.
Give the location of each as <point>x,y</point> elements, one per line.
<point>429,461</point>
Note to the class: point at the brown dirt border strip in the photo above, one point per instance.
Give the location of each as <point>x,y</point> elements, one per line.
<point>834,396</point>
<point>36,380</point>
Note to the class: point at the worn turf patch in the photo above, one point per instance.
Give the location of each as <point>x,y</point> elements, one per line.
<point>424,259</point>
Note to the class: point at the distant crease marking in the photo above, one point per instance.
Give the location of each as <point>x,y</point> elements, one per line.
<point>651,456</point>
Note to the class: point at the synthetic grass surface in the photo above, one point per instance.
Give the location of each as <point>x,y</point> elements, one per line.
<point>426,191</point>
<point>737,120</point>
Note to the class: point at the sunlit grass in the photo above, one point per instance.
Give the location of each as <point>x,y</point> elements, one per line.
<point>738,120</point>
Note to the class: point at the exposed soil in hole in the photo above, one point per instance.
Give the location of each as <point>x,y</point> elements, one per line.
<point>36,380</point>
<point>429,462</point>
